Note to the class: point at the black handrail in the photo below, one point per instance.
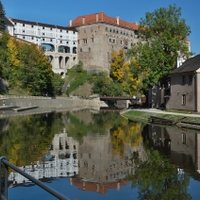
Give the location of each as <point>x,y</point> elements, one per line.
<point>4,194</point>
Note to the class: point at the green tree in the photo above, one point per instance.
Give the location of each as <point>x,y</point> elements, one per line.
<point>57,84</point>
<point>4,53</point>
<point>104,85</point>
<point>2,18</point>
<point>162,37</point>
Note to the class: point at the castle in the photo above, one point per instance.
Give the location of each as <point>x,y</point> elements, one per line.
<point>89,38</point>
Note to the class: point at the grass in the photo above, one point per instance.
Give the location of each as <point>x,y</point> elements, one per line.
<point>76,80</point>
<point>143,116</point>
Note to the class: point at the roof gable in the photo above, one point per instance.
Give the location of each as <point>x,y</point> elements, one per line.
<point>190,65</point>
<point>101,17</point>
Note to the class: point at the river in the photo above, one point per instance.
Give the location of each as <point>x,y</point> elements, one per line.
<point>92,155</point>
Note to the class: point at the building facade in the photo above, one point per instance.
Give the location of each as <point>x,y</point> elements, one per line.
<point>98,36</point>
<point>60,42</point>
<point>184,86</point>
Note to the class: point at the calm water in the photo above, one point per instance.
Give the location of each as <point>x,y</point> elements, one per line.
<point>93,155</point>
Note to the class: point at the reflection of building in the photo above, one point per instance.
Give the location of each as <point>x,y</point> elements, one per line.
<point>99,168</point>
<point>91,166</point>
<point>62,161</point>
<point>100,188</point>
<point>182,145</point>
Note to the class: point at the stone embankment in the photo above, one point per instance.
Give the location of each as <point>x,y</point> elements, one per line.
<point>51,102</point>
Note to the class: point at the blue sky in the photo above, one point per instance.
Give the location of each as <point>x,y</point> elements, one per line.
<point>59,12</point>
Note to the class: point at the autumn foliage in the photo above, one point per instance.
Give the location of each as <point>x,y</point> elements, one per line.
<point>25,67</point>
<point>128,73</point>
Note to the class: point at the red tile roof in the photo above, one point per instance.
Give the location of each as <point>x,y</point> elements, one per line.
<point>101,17</point>
<point>92,186</point>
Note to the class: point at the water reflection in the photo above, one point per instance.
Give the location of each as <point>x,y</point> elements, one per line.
<point>102,151</point>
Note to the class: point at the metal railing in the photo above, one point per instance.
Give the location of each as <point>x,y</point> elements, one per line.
<point>4,164</point>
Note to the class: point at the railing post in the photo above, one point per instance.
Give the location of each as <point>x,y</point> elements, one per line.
<point>3,179</point>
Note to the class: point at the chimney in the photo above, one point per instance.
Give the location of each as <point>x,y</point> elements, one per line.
<point>117,20</point>
<point>97,17</point>
<point>70,22</point>
<point>83,20</point>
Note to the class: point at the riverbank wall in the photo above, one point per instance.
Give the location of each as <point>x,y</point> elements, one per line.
<point>51,102</point>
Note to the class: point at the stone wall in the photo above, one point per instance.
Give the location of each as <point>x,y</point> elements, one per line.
<point>49,102</point>
<point>97,42</point>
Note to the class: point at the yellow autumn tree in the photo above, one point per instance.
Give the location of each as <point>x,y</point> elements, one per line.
<point>13,50</point>
<point>117,71</point>
<point>128,73</point>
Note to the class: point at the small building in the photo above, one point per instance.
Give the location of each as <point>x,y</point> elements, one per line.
<point>185,86</point>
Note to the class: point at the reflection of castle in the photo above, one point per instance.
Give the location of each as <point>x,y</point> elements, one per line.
<point>182,145</point>
<point>99,169</point>
<point>62,161</point>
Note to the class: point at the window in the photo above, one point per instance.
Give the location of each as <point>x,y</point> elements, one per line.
<point>183,138</point>
<point>80,49</point>
<point>91,29</point>
<point>106,29</point>
<point>190,79</point>
<point>85,41</point>
<point>183,80</point>
<point>183,100</point>
<point>92,39</point>
<point>89,49</point>
<point>60,30</point>
<point>84,30</point>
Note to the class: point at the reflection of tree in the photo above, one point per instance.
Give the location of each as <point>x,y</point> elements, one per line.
<point>126,134</point>
<point>156,178</point>
<point>28,137</point>
<point>100,124</point>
